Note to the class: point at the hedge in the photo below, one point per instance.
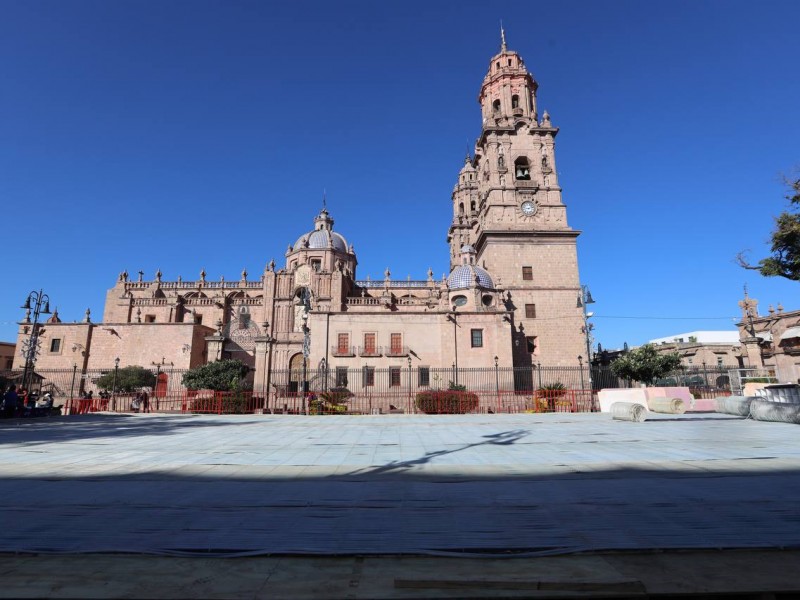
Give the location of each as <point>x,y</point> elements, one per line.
<point>446,402</point>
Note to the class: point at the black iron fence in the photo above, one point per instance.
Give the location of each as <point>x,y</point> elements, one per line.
<point>393,382</point>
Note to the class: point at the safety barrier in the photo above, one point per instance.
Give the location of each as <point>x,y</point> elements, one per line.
<point>338,403</point>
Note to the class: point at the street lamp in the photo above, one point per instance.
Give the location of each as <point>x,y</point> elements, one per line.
<point>72,386</point>
<point>580,363</point>
<point>584,300</point>
<point>452,317</point>
<point>497,381</point>
<point>114,390</point>
<point>409,381</point>
<point>306,298</point>
<point>30,348</point>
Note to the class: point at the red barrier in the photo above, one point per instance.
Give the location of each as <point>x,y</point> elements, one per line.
<point>437,402</point>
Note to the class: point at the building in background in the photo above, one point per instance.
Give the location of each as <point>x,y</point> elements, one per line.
<point>698,348</point>
<point>7,351</point>
<point>508,301</point>
<point>771,342</point>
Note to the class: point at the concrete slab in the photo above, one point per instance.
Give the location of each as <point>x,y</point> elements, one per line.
<point>467,485</point>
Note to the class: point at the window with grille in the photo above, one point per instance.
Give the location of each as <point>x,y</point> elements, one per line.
<point>527,273</point>
<point>55,345</point>
<point>477,338</point>
<point>530,311</point>
<point>368,376</point>
<point>424,376</point>
<point>394,376</point>
<point>341,376</point>
<point>343,343</point>
<point>396,343</point>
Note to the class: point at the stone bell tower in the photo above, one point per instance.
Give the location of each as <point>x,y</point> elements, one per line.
<point>508,205</point>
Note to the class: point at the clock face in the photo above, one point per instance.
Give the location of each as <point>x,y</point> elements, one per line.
<point>528,208</point>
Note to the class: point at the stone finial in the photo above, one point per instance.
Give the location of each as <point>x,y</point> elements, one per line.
<point>771,309</point>
<point>430,275</point>
<point>387,274</point>
<point>125,275</point>
<point>158,275</point>
<point>222,279</point>
<point>780,308</point>
<point>502,38</point>
<point>288,250</point>
<point>88,314</point>
<point>138,315</point>
<point>244,274</point>
<point>202,274</point>
<point>546,120</point>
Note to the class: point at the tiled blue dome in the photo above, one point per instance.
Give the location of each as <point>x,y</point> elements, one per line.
<point>463,276</point>
<point>319,239</point>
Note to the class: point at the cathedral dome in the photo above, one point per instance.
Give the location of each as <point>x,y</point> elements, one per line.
<point>323,235</point>
<point>321,238</point>
<point>468,274</point>
<point>464,276</point>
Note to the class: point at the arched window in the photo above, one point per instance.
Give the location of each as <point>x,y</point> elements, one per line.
<point>522,169</point>
<point>514,101</point>
<point>496,106</point>
<point>461,208</point>
<point>472,205</point>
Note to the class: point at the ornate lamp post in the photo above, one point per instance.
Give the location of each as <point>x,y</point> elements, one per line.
<point>39,304</point>
<point>452,317</point>
<point>306,345</point>
<point>584,299</point>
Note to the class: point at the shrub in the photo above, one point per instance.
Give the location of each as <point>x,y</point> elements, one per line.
<point>448,402</point>
<point>126,379</point>
<point>223,375</point>
<point>330,401</point>
<point>551,390</point>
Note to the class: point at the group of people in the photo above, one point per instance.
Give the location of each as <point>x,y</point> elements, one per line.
<point>19,403</point>
<point>141,402</point>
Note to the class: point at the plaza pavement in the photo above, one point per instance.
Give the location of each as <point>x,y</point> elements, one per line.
<point>472,485</point>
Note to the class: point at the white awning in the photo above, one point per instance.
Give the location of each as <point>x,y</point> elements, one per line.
<point>792,332</point>
<point>764,335</point>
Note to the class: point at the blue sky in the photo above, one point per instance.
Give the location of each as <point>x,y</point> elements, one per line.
<point>190,135</point>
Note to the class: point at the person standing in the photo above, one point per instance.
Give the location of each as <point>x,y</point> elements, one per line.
<point>10,399</point>
<point>145,402</point>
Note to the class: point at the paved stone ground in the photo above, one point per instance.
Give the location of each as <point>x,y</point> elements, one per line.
<point>454,485</point>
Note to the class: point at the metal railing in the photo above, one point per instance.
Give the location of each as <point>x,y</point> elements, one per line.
<point>499,389</point>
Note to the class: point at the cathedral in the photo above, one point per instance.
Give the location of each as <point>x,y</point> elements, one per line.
<point>512,297</point>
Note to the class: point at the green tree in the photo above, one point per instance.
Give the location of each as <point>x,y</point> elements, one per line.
<point>127,379</point>
<point>645,364</point>
<point>785,258</point>
<point>221,376</point>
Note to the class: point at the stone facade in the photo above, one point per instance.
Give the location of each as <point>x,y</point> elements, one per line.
<point>510,298</point>
<point>7,351</point>
<point>771,342</point>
